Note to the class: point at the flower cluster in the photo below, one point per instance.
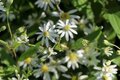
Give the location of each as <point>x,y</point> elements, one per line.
<point>58,40</point>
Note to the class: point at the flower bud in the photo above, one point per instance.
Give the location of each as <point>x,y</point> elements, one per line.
<point>107,42</point>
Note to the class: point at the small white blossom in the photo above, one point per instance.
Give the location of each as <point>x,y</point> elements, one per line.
<point>45,3</point>
<point>50,52</point>
<point>67,15</point>
<point>66,29</point>
<point>72,59</point>
<point>11,16</point>
<point>47,33</point>
<point>107,71</point>
<point>89,56</point>
<point>108,51</point>
<point>78,77</point>
<point>44,71</point>
<point>29,61</point>
<point>23,38</point>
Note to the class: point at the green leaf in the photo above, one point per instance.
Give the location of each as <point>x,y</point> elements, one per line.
<point>116,61</point>
<point>77,44</point>
<point>29,52</point>
<point>114,19</point>
<point>6,58</point>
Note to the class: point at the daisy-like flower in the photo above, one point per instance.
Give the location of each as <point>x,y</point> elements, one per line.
<point>45,3</point>
<point>108,51</point>
<point>11,16</point>
<point>44,71</point>
<point>66,15</point>
<point>107,72</point>
<point>89,55</point>
<point>47,33</point>
<point>76,77</point>
<point>72,59</point>
<point>29,61</point>
<point>66,29</point>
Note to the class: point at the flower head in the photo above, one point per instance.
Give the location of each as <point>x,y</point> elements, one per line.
<point>107,71</point>
<point>44,70</point>
<point>66,29</point>
<point>108,51</point>
<point>45,3</point>
<point>47,33</point>
<point>72,59</point>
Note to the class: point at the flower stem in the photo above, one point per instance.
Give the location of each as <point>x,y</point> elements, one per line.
<point>9,29</point>
<point>8,24</point>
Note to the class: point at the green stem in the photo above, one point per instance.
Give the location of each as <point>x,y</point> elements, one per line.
<point>8,24</point>
<point>9,29</point>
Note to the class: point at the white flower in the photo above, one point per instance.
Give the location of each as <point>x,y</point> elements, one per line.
<point>50,52</point>
<point>72,59</point>
<point>66,15</point>
<point>11,16</point>
<point>108,51</point>
<point>107,71</point>
<point>45,3</point>
<point>23,38</point>
<point>44,71</point>
<point>66,29</point>
<point>29,61</point>
<point>47,33</point>
<point>78,77</point>
<point>89,55</point>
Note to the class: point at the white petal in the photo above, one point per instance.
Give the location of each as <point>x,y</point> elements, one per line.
<point>67,36</point>
<point>73,31</point>
<point>72,11</point>
<point>71,35</point>
<point>62,34</point>
<point>47,43</point>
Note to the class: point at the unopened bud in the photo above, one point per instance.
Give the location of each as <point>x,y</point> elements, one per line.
<point>107,42</point>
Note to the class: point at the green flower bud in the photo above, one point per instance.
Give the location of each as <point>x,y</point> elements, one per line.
<point>107,42</point>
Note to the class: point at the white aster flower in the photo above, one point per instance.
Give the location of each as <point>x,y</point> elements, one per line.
<point>78,77</point>
<point>44,71</point>
<point>108,51</point>
<point>72,59</point>
<point>29,61</point>
<point>45,3</point>
<point>11,16</point>
<point>89,55</point>
<point>66,29</point>
<point>47,33</point>
<point>67,15</point>
<point>107,72</point>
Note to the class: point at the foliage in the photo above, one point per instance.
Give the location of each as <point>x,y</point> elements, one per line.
<point>59,39</point>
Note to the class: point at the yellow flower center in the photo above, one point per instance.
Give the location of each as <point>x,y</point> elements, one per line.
<point>67,28</point>
<point>46,34</point>
<point>73,57</point>
<point>64,16</point>
<point>28,60</point>
<point>106,77</point>
<point>44,68</point>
